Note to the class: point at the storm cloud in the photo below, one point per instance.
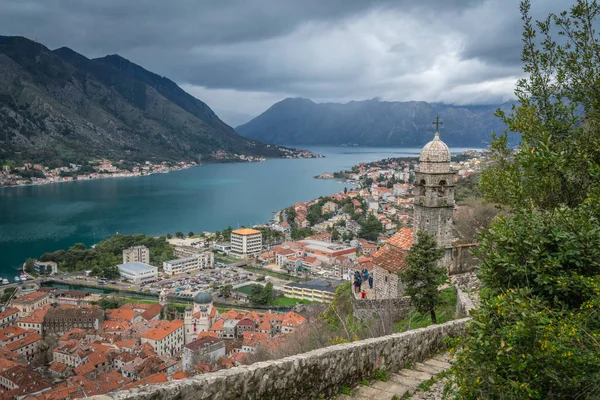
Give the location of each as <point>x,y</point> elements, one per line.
<point>240,56</point>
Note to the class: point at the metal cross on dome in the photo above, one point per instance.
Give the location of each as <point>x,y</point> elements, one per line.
<point>437,123</point>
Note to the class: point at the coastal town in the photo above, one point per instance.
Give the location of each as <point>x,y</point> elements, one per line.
<point>224,299</point>
<point>31,173</point>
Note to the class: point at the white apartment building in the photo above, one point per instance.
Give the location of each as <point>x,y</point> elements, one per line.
<point>246,242</point>
<point>188,264</point>
<point>166,338</point>
<point>136,254</point>
<point>138,272</point>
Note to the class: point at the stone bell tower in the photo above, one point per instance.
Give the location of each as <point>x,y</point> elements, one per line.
<point>434,192</point>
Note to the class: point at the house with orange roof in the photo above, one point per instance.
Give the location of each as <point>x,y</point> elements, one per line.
<point>245,325</point>
<point>11,334</point>
<point>153,312</point>
<point>207,334</point>
<point>166,338</point>
<point>9,359</point>
<point>291,320</point>
<point>116,327</point>
<point>246,242</point>
<point>125,315</point>
<point>252,340</point>
<point>72,353</point>
<point>30,302</point>
<point>218,327</point>
<point>264,327</point>
<point>19,381</point>
<point>58,369</point>
<point>26,346</point>
<point>8,317</point>
<point>312,263</point>
<point>388,261</point>
<point>368,249</point>
<point>35,320</point>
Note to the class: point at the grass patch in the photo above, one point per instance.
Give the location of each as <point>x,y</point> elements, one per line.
<point>246,289</point>
<point>426,385</point>
<point>278,275</point>
<point>345,390</point>
<point>445,311</point>
<point>288,301</point>
<point>364,382</point>
<point>134,300</point>
<point>381,375</point>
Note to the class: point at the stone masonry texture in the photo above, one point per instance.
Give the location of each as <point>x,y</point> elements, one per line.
<point>306,376</point>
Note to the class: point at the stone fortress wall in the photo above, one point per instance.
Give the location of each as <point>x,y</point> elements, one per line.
<point>310,375</point>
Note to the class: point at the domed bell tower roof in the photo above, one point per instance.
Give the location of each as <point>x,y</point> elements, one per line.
<point>203,298</point>
<point>435,151</point>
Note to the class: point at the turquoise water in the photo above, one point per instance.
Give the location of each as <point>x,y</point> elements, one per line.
<point>36,219</point>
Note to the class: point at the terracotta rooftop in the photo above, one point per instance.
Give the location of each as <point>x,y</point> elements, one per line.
<point>118,313</point>
<point>201,343</point>
<point>164,329</point>
<point>390,258</point>
<point>116,326</point>
<point>217,326</point>
<point>207,334</point>
<point>30,337</point>
<point>152,311</point>
<point>293,319</point>
<point>180,375</point>
<point>30,297</point>
<point>10,332</point>
<point>58,367</point>
<point>245,231</point>
<point>253,339</point>
<point>26,379</point>
<point>135,306</point>
<point>8,312</point>
<point>36,317</point>
<point>403,239</point>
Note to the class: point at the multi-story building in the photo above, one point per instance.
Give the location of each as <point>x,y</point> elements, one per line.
<point>64,318</point>
<point>30,302</point>
<point>136,254</point>
<point>26,346</point>
<point>11,334</point>
<point>188,264</point>
<point>35,321</point>
<point>45,268</point>
<point>8,317</point>
<point>166,338</point>
<point>320,290</point>
<point>327,252</point>
<point>138,272</point>
<point>246,242</point>
<point>186,251</point>
<point>207,349</point>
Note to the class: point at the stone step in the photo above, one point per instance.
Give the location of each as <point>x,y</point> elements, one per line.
<point>428,368</point>
<point>436,363</point>
<point>406,381</point>
<point>423,376</point>
<point>391,387</point>
<point>442,357</point>
<point>367,392</point>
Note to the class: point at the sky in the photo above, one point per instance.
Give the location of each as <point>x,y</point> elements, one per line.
<point>242,56</point>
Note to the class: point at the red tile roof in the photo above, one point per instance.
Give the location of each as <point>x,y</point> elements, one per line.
<point>36,317</point>
<point>8,312</point>
<point>164,329</point>
<point>160,377</point>
<point>253,339</point>
<point>403,239</point>
<point>58,367</point>
<point>30,337</point>
<point>152,311</point>
<point>10,332</point>
<point>118,313</point>
<point>30,297</point>
<point>390,258</point>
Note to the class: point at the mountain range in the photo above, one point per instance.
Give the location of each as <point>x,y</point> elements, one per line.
<point>59,106</point>
<point>296,121</point>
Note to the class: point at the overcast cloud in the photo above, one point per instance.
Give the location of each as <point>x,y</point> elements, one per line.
<point>241,56</point>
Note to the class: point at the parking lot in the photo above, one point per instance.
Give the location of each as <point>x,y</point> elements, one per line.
<point>210,280</point>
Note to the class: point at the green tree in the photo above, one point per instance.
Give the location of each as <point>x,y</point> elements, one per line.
<point>169,236</point>
<point>225,290</point>
<point>256,294</point>
<point>423,276</point>
<point>335,235</point>
<point>179,235</point>
<point>29,265</point>
<point>190,234</point>
<point>267,294</point>
<point>370,228</point>
<point>535,334</point>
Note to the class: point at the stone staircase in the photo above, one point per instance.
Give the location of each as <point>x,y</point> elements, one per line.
<point>404,381</point>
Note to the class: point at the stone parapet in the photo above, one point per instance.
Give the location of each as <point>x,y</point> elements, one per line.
<point>392,309</point>
<point>309,375</point>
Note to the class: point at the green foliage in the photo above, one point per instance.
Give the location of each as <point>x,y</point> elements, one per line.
<point>106,255</point>
<point>558,159</point>
<point>467,188</point>
<point>370,228</point>
<point>262,295</point>
<point>426,385</point>
<point>6,294</point>
<point>381,375</point>
<point>445,310</point>
<point>179,235</point>
<point>226,290</point>
<point>29,265</point>
<point>345,390</point>
<point>300,233</point>
<point>190,234</point>
<point>108,303</point>
<point>271,235</point>
<point>536,332</point>
<point>422,276</point>
<point>364,382</point>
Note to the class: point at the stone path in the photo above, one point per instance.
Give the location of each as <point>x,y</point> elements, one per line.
<point>400,383</point>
